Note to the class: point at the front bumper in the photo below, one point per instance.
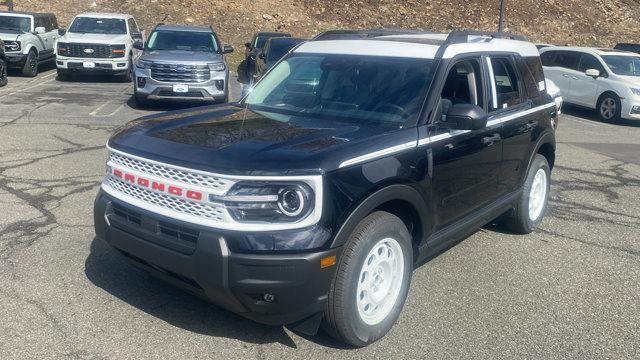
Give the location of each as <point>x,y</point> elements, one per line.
<point>15,60</point>
<point>216,88</point>
<point>118,66</point>
<point>205,264</point>
<point>630,109</point>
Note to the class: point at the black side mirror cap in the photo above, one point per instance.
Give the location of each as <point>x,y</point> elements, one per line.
<point>262,55</point>
<point>465,117</point>
<point>247,45</point>
<point>61,32</point>
<point>227,49</point>
<point>138,44</point>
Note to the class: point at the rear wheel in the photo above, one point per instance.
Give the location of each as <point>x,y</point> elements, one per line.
<point>371,282</point>
<point>3,73</point>
<point>532,205</point>
<point>30,67</point>
<point>609,107</point>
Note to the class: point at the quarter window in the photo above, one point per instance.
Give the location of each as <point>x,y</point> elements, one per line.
<point>505,84</point>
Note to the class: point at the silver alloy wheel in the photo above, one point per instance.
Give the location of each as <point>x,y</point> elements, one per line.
<point>380,281</point>
<point>538,195</point>
<point>608,108</point>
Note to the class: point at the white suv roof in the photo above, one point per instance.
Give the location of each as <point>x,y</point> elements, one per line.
<point>417,45</point>
<point>106,15</point>
<point>590,50</point>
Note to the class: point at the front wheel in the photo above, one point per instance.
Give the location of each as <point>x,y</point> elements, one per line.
<point>30,68</point>
<point>532,204</point>
<point>3,73</point>
<point>609,107</point>
<point>371,282</point>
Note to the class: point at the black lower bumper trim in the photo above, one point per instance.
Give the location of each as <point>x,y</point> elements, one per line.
<point>271,288</point>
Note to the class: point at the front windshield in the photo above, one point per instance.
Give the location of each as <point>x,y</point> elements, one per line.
<point>88,25</point>
<point>280,48</point>
<point>347,87</point>
<point>182,40</point>
<point>623,65</point>
<point>16,23</point>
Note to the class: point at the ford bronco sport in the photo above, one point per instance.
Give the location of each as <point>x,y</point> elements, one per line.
<point>29,39</point>
<point>311,200</point>
<point>99,43</point>
<point>182,63</point>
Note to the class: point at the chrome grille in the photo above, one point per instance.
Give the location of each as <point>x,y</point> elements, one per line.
<point>211,212</point>
<point>216,184</point>
<point>180,73</point>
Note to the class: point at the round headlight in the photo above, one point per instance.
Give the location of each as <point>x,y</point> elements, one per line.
<point>291,201</point>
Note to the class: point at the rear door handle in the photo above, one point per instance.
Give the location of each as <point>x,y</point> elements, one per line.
<point>490,140</point>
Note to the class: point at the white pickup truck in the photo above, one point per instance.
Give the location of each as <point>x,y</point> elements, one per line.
<point>99,43</point>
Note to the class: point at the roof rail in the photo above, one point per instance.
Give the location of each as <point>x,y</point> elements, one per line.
<point>458,37</point>
<point>362,34</point>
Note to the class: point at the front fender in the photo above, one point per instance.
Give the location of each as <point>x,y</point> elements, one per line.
<point>401,192</point>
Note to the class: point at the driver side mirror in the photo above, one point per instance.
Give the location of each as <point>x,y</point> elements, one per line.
<point>138,44</point>
<point>465,117</point>
<point>61,32</point>
<point>247,45</point>
<point>592,73</point>
<point>262,56</point>
<point>227,49</point>
<point>40,30</point>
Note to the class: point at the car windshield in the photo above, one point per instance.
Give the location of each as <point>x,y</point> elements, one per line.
<point>623,64</point>
<point>279,48</point>
<point>89,25</point>
<point>347,87</point>
<point>182,40</point>
<point>16,23</point>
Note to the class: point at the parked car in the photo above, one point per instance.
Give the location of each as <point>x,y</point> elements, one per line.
<point>352,161</point>
<point>99,43</point>
<point>251,49</point>
<point>3,65</point>
<point>628,47</point>
<point>273,50</point>
<point>29,39</point>
<point>605,80</point>
<point>182,63</point>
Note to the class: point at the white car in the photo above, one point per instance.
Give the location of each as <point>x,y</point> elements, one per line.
<point>99,43</point>
<point>29,39</point>
<point>605,80</point>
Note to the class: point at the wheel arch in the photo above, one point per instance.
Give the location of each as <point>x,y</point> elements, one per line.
<point>403,201</point>
<point>546,146</point>
<point>608,91</point>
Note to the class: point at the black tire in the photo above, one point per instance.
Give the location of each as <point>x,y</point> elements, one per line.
<point>342,317</point>
<point>520,219</point>
<point>4,79</point>
<point>63,75</point>
<point>128,76</point>
<point>604,107</point>
<point>30,68</point>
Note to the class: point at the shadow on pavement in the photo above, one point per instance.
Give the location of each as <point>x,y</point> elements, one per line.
<point>107,269</point>
<point>592,115</point>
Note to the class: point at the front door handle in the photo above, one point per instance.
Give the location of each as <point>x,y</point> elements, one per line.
<point>565,75</point>
<point>490,140</point>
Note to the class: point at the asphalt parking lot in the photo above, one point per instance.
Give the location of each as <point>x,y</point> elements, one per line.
<point>570,290</point>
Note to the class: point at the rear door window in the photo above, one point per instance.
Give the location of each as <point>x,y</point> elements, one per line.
<point>505,83</point>
<point>568,60</point>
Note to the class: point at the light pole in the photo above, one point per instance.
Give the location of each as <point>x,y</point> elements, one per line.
<point>501,21</point>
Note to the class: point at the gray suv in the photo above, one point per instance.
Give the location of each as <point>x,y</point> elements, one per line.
<point>182,63</point>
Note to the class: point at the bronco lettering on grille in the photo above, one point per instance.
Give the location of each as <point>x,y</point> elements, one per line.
<point>158,186</point>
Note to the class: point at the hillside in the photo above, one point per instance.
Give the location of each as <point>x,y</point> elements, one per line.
<point>579,22</point>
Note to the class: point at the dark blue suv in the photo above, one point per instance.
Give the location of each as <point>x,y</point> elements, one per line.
<point>358,156</point>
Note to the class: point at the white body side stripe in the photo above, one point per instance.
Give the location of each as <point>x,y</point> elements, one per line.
<point>436,138</point>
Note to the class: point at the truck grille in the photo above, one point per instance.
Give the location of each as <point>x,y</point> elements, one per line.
<point>180,73</point>
<point>211,212</point>
<point>94,51</point>
<point>217,184</point>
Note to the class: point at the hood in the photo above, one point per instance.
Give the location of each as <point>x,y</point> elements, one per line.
<point>232,140</point>
<point>95,38</point>
<point>179,56</point>
<point>10,35</point>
